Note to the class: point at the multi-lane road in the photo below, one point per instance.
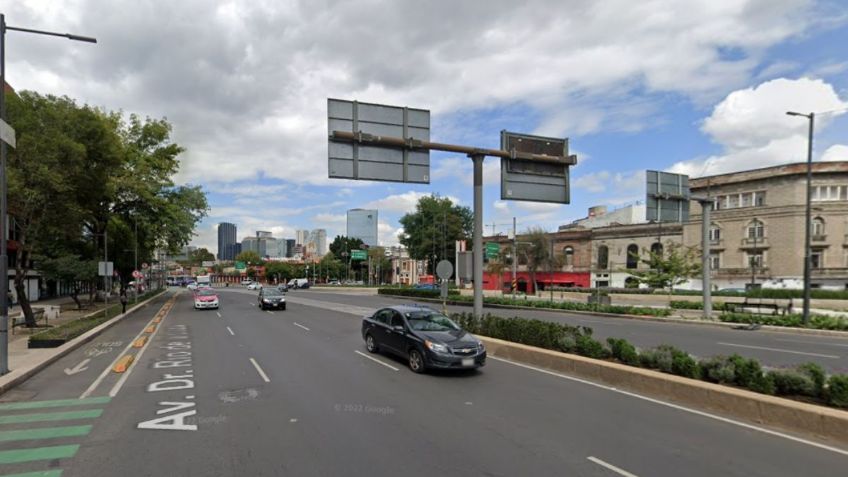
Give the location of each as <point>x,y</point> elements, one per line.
<point>246,392</point>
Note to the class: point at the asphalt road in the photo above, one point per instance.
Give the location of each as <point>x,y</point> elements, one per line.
<point>246,392</point>
<point>775,349</point>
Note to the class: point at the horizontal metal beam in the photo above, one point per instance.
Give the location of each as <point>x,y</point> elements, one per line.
<point>364,138</point>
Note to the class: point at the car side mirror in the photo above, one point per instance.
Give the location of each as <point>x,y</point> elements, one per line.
<point>399,328</point>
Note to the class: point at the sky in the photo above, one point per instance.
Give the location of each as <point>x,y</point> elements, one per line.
<point>697,87</point>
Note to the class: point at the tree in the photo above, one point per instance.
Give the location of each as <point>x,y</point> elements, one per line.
<point>200,255</point>
<point>341,246</point>
<point>670,268</point>
<point>379,263</point>
<point>249,256</point>
<point>331,267</point>
<point>70,269</point>
<point>537,249</point>
<point>432,230</point>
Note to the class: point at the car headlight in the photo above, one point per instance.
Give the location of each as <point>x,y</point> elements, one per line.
<point>436,347</point>
<point>481,346</point>
<point>266,301</point>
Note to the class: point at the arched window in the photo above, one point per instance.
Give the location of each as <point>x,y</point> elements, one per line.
<point>603,257</point>
<point>657,248</point>
<point>756,230</point>
<point>632,256</point>
<point>569,256</point>
<point>818,226</point>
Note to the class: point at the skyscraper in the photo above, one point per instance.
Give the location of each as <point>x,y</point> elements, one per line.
<point>362,224</point>
<point>226,239</point>
<point>290,243</point>
<point>301,237</point>
<point>250,244</point>
<point>318,241</point>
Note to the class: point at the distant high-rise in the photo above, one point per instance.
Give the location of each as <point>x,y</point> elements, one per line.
<point>301,237</point>
<point>290,243</point>
<point>250,244</point>
<point>263,234</point>
<point>233,250</point>
<point>226,238</point>
<point>317,242</point>
<point>362,224</point>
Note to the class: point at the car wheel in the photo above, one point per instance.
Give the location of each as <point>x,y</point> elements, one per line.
<point>371,344</point>
<point>416,361</point>
<point>283,307</point>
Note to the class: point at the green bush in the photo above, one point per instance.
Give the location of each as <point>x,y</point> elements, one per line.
<point>694,305</point>
<point>623,351</point>
<point>816,373</point>
<point>531,332</point>
<point>821,322</point>
<point>411,292</point>
<point>747,370</point>
<point>837,390</point>
<point>669,359</point>
<point>791,382</point>
<point>718,369</point>
<point>761,293</point>
<point>590,347</point>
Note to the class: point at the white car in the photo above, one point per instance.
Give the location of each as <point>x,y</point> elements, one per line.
<point>254,286</point>
<point>192,286</point>
<point>246,282</point>
<point>205,298</point>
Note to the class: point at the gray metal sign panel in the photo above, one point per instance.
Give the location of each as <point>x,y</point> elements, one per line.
<point>380,163</point>
<point>465,266</point>
<point>531,180</point>
<point>667,197</point>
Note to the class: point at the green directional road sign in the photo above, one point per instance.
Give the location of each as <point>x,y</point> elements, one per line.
<point>358,255</point>
<point>492,250</point>
<point>241,266</point>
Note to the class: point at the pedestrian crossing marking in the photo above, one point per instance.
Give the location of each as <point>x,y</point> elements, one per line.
<point>50,416</point>
<point>14,406</point>
<point>44,433</point>
<point>38,453</point>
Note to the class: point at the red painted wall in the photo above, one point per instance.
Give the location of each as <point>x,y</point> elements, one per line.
<point>559,279</point>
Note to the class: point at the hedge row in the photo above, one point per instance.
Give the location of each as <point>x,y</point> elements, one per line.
<point>72,329</point>
<point>761,293</point>
<point>819,322</point>
<point>415,293</point>
<point>557,305</point>
<point>807,381</point>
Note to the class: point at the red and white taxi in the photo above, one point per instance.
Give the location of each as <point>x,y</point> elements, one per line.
<point>205,298</point>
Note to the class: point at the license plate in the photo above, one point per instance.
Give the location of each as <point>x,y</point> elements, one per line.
<point>468,362</point>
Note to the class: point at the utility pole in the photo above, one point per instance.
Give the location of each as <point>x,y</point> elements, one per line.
<point>478,234</point>
<point>514,258</point>
<point>551,270</point>
<point>808,212</point>
<point>4,259</point>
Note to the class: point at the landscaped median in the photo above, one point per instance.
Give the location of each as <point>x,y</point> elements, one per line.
<point>61,334</point>
<point>807,383</point>
<point>455,298</point>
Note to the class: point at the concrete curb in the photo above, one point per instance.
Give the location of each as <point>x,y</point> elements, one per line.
<point>719,324</point>
<point>822,422</point>
<point>17,376</point>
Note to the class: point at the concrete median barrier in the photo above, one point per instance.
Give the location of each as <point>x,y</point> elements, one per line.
<point>797,417</point>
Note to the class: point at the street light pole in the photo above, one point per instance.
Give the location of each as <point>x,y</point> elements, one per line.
<point>4,259</point>
<point>807,214</point>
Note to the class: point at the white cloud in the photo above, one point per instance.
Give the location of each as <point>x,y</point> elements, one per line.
<point>388,235</point>
<point>838,152</point>
<point>603,181</point>
<point>251,104</point>
<point>753,128</point>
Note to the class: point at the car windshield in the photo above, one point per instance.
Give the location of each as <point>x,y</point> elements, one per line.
<point>206,292</point>
<point>430,321</point>
<point>272,292</point>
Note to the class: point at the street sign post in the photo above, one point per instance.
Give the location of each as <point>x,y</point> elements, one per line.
<point>351,160</point>
<point>358,255</point>
<point>532,180</point>
<point>105,269</point>
<point>667,197</point>
<point>444,269</point>
<point>492,250</point>
<point>388,143</point>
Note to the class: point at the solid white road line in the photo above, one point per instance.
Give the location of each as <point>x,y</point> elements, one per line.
<point>376,360</point>
<point>298,324</point>
<point>611,467</point>
<point>259,370</point>
<point>269,312</point>
<point>819,343</point>
<point>676,406</point>
<point>779,350</point>
<point>231,331</point>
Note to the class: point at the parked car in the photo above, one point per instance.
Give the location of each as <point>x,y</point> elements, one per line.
<point>246,282</point>
<point>334,282</point>
<point>272,298</point>
<point>254,286</point>
<point>282,287</point>
<point>205,298</point>
<point>423,336</point>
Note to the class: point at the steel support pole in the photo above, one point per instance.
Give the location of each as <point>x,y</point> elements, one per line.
<point>514,258</point>
<point>807,220</point>
<point>4,260</point>
<point>705,258</point>
<point>478,234</point>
